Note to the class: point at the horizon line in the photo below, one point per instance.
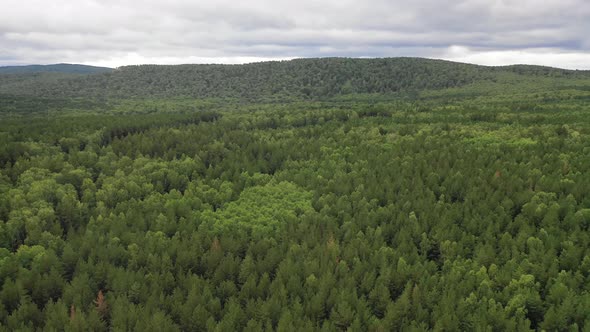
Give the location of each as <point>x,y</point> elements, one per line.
<point>88,64</point>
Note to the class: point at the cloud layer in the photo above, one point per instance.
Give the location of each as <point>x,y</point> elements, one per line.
<point>121,32</point>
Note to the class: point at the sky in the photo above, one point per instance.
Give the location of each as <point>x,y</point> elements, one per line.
<point>114,33</point>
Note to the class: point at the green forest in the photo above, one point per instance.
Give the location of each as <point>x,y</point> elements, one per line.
<point>309,195</point>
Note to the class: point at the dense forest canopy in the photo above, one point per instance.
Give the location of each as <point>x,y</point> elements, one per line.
<point>460,203</point>
<point>301,78</point>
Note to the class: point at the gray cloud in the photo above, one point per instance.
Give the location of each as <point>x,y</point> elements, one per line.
<point>119,32</point>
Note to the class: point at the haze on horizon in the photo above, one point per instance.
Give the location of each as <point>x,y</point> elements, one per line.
<point>113,33</point>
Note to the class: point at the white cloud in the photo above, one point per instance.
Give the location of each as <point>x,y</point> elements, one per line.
<point>134,58</point>
<point>542,57</point>
<point>120,32</point>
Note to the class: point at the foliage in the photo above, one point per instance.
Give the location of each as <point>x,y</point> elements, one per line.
<point>457,210</point>
<point>287,80</point>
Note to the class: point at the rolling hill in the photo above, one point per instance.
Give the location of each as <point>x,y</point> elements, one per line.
<point>381,195</point>
<point>65,68</point>
<point>300,78</point>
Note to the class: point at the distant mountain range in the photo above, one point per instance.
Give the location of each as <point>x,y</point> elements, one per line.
<point>65,68</point>
<point>300,78</point>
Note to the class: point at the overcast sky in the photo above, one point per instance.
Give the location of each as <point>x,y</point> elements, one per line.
<point>122,32</point>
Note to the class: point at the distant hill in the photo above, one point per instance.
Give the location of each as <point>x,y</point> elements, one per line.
<point>65,68</point>
<point>300,78</point>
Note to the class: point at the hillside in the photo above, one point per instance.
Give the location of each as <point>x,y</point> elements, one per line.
<point>301,79</point>
<point>411,195</point>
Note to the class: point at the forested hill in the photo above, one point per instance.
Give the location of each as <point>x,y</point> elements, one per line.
<point>458,209</point>
<point>64,68</point>
<point>301,78</point>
